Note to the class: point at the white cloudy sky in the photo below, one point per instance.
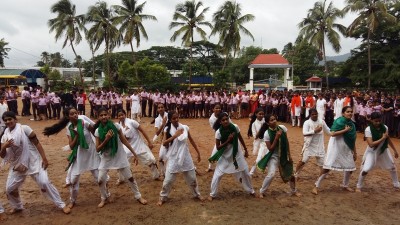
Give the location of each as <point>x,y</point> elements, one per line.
<point>24,26</point>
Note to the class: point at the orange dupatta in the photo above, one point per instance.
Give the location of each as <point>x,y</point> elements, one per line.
<point>296,102</point>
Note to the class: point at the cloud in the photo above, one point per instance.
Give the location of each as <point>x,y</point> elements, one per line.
<point>275,24</point>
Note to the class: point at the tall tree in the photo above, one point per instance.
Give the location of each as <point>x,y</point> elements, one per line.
<point>67,24</point>
<point>228,23</point>
<point>320,24</point>
<point>3,51</point>
<point>45,57</point>
<point>188,18</point>
<point>130,16</point>
<point>371,13</point>
<point>103,30</point>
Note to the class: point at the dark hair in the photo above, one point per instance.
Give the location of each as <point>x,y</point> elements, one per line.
<point>217,123</point>
<point>376,115</point>
<point>312,110</point>
<point>9,114</point>
<point>265,126</point>
<point>345,108</point>
<point>57,127</point>
<point>121,111</point>
<point>253,118</point>
<point>97,124</point>
<point>168,126</point>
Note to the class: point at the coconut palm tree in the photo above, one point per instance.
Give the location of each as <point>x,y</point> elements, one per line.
<point>68,25</point>
<point>188,18</point>
<point>228,23</point>
<point>371,13</point>
<point>320,25</point>
<point>130,16</point>
<point>45,57</point>
<point>3,51</point>
<point>103,30</point>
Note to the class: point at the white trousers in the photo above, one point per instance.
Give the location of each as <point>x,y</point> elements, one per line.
<point>242,176</point>
<point>272,165</point>
<point>125,172</point>
<point>210,165</point>
<point>1,208</point>
<point>74,187</point>
<point>16,179</point>
<point>190,179</point>
<point>370,162</point>
<point>346,179</point>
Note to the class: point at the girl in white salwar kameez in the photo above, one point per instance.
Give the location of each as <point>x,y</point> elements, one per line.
<point>259,147</point>
<point>313,132</point>
<point>179,158</point>
<point>23,151</point>
<point>377,153</point>
<point>84,156</point>
<point>135,106</point>
<point>159,125</point>
<point>229,157</point>
<point>213,118</point>
<point>131,129</point>
<point>109,142</point>
<point>278,156</point>
<point>341,153</point>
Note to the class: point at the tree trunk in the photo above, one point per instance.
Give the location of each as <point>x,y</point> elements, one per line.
<point>134,61</point>
<point>79,63</point>
<point>190,65</point>
<point>369,59</point>
<point>93,73</point>
<point>326,67</point>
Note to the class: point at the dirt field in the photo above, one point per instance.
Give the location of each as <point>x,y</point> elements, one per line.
<point>378,204</point>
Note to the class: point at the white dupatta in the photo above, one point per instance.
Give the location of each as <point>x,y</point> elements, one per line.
<point>18,154</point>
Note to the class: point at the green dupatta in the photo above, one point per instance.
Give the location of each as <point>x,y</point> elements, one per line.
<point>350,136</point>
<point>285,163</point>
<point>113,142</point>
<point>225,132</point>
<point>377,134</point>
<point>81,141</point>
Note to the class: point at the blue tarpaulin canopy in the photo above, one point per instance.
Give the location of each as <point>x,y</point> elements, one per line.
<point>32,74</point>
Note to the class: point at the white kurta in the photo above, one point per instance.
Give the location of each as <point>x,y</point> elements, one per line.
<point>314,143</point>
<point>134,138</point>
<point>179,158</point>
<point>135,107</point>
<point>374,159</point>
<point>255,128</point>
<point>225,163</point>
<point>337,108</point>
<point>86,159</point>
<point>339,156</point>
<point>119,160</point>
<point>320,106</point>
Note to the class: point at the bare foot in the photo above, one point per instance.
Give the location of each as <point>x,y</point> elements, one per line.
<point>210,198</point>
<point>66,210</point>
<point>160,203</point>
<point>201,198</point>
<point>348,189</point>
<point>66,185</point>
<point>209,170</point>
<point>358,190</point>
<point>14,211</point>
<point>142,201</point>
<point>315,191</point>
<point>254,195</point>
<point>119,182</point>
<point>261,195</point>
<point>71,205</point>
<point>297,194</point>
<point>101,204</point>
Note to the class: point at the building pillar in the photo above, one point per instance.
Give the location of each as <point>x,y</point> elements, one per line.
<point>251,79</point>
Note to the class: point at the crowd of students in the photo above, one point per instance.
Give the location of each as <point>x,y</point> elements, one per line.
<point>103,145</point>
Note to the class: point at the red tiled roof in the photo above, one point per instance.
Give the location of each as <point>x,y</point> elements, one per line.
<point>269,59</point>
<point>314,79</point>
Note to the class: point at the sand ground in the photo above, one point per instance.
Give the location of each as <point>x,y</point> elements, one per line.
<point>378,204</point>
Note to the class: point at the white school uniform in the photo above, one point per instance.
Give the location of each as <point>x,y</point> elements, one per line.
<point>225,165</point>
<point>25,153</point>
<point>314,142</point>
<point>179,161</point>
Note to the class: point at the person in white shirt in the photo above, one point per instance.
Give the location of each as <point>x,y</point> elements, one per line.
<point>313,132</point>
<point>321,107</point>
<point>3,108</point>
<point>338,106</point>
